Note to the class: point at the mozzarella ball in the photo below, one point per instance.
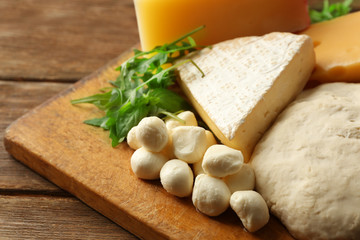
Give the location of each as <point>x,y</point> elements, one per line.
<point>220,161</point>
<point>210,139</point>
<point>251,208</point>
<point>242,180</point>
<point>146,164</point>
<point>168,150</point>
<point>177,178</point>
<point>132,140</point>
<point>189,143</point>
<point>197,168</point>
<point>211,195</point>
<point>152,134</point>
<point>188,117</point>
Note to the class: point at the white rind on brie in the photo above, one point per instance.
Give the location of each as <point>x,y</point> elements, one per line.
<point>247,82</point>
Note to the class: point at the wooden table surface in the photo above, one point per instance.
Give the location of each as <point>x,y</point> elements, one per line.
<point>45,46</point>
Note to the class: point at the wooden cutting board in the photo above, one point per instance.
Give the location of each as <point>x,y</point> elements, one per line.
<point>52,140</point>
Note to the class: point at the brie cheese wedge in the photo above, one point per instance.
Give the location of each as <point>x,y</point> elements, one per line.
<point>247,83</point>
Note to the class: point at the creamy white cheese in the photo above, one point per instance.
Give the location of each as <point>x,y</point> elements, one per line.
<point>247,82</point>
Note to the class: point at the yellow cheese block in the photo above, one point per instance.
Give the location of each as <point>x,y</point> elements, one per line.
<point>337,49</point>
<point>163,21</point>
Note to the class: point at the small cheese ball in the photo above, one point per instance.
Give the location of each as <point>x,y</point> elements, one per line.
<point>168,150</point>
<point>132,140</point>
<point>242,180</point>
<point>211,195</point>
<point>146,164</point>
<point>152,134</point>
<point>189,143</point>
<point>210,139</point>
<point>177,178</point>
<point>197,168</point>
<point>221,161</point>
<point>251,208</point>
<point>188,117</point>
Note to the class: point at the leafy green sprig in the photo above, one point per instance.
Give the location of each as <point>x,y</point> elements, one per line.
<point>141,89</point>
<point>330,11</point>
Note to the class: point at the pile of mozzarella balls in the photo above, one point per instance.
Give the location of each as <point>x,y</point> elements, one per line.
<point>175,151</point>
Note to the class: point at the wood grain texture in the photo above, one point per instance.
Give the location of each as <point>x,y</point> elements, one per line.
<point>63,40</point>
<point>17,98</point>
<point>52,140</point>
<point>30,208</point>
<point>43,217</point>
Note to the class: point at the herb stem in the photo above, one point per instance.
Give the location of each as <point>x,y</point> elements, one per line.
<point>187,35</point>
<point>169,69</point>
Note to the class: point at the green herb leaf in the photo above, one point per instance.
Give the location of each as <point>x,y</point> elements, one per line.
<point>330,11</point>
<point>129,116</point>
<point>97,122</point>
<point>99,100</point>
<point>140,90</point>
<point>168,100</point>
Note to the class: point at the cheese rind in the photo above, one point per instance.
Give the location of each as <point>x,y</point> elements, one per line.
<point>247,82</point>
<point>337,49</point>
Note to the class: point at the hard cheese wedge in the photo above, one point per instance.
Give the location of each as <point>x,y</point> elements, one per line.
<point>163,21</point>
<point>337,48</point>
<point>247,82</point>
